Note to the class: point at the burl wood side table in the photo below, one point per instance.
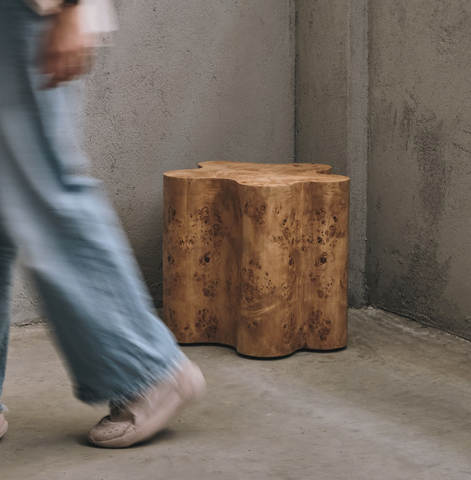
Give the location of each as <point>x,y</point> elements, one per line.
<point>256,256</point>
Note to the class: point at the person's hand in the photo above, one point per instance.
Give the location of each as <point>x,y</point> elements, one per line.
<point>67,50</point>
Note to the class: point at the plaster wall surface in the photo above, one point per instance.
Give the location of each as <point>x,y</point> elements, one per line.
<point>419,201</point>
<point>332,107</point>
<point>186,82</point>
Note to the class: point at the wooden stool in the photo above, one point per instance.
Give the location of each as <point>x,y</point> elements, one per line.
<point>256,256</point>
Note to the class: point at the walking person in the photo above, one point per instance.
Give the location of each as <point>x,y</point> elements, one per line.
<point>68,237</point>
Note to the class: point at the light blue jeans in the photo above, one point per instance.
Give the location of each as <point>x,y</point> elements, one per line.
<point>67,235</point>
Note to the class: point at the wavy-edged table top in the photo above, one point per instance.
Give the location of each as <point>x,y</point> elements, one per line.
<point>261,174</point>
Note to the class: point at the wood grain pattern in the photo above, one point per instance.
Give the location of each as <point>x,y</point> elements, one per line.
<point>256,256</point>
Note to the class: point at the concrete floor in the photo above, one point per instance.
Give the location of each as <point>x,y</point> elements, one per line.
<point>395,405</point>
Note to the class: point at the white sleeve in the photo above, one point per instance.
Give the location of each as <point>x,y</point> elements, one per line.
<point>100,19</point>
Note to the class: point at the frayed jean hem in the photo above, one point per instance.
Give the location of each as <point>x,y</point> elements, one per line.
<point>132,390</point>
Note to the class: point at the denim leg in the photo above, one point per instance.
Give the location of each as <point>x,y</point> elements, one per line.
<point>7,259</point>
<point>68,235</point>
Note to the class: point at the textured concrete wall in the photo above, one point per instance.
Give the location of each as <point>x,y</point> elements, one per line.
<point>419,232</point>
<point>187,81</point>
<point>332,107</point>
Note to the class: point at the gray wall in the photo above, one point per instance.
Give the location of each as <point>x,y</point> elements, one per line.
<point>419,206</point>
<point>203,80</point>
<point>187,81</point>
<point>398,73</point>
<point>332,107</point>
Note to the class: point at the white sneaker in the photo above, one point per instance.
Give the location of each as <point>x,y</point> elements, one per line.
<point>3,425</point>
<point>142,418</point>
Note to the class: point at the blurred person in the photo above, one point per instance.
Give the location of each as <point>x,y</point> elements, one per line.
<point>68,237</point>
